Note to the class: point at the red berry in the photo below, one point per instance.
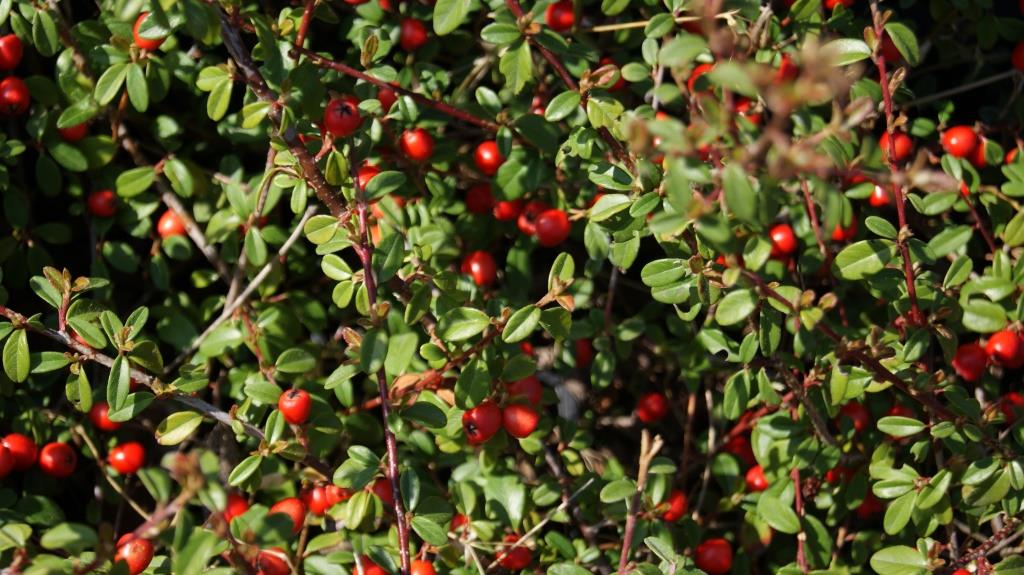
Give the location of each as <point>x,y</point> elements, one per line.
<point>103,204</point>
<point>387,97</point>
<point>294,509</point>
<point>889,50</point>
<point>743,108</point>
<point>514,559</point>
<point>479,199</point>
<point>316,500</point>
<point>969,361</point>
<point>100,418</point>
<point>170,224</point>
<point>421,567</point>
<point>739,446</point>
<point>135,552</point>
<point>1005,348</point>
<point>1011,404</point>
<point>959,141</point>
<point>57,459</point>
<point>788,70</point>
<point>552,227</point>
<point>527,348</point>
<point>366,173</point>
<point>652,407</point>
<point>783,241</point>
<point>900,410</point>
<point>480,265</point>
<point>858,414</point>
<point>272,562</point>
<point>145,43</point>
<point>382,488</point>
<point>676,506</point>
<point>412,34</point>
<point>870,507</point>
<point>127,458</point>
<point>841,234</point>
<point>699,71</point>
<point>528,388</point>
<point>831,4</point>
<point>519,420</point>
<point>506,211</point>
<point>336,495</point>
<point>879,197</point>
<point>295,406</point>
<point>6,461</point>
<point>714,556</point>
<point>527,221</point>
<point>756,481</point>
<point>10,52</point>
<point>22,449</point>
<point>370,568</point>
<point>488,158</point>
<point>237,505</point>
<point>902,143</point>
<point>1017,58</point>
<point>838,474</point>
<point>341,116</point>
<point>417,144</point>
<point>584,352</point>
<point>961,572</point>
<point>459,521</point>
<point>977,157</point>
<point>356,2</point>
<point>74,133</point>
<point>560,16</point>
<point>1011,156</point>
<point>481,422</point>
<point>621,82</point>
<point>14,96</point>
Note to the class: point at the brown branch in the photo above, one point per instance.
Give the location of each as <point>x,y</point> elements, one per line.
<point>327,194</point>
<point>648,449</point>
<point>986,547</point>
<point>554,462</point>
<point>452,111</point>
<point>801,536</point>
<point>915,317</point>
<point>813,214</point>
<point>307,15</point>
<point>364,249</point>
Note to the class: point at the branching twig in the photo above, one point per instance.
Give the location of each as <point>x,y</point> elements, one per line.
<point>648,450</point>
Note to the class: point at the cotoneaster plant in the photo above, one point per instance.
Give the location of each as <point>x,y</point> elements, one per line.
<point>454,287</point>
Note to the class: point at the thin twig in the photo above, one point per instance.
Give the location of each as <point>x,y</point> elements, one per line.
<point>648,450</point>
<point>101,464</point>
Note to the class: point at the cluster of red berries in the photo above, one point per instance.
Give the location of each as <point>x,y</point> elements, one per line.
<point>519,417</point>
<point>1004,348</point>
<point>14,96</point>
<point>19,452</point>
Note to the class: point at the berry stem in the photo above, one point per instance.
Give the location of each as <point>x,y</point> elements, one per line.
<point>649,448</point>
<point>915,317</point>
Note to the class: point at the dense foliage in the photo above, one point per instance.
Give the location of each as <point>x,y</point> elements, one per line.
<point>634,286</point>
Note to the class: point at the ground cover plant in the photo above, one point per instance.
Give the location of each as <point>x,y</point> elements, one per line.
<point>616,286</point>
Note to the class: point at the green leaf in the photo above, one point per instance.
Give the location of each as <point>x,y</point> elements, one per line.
<point>131,183</point>
<point>982,316</point>
<point>1013,233</point>
<point>109,84</point>
<point>897,514</point>
<point>561,106</point>
<point>905,41</point>
<point>69,537</point>
<point>462,323</point>
<point>881,227</point>
<point>899,426</point>
<point>863,259</point>
<point>739,194</point>
<point>430,531</point>
<point>899,560</point>
<point>521,324</point>
<point>118,383</point>
<point>373,351</point>
<point>736,306</point>
<point>401,348</point>
<point>777,514</point>
<point>177,427</point>
<point>663,272</point>
<point>608,206</point>
<point>516,65</point>
<point>138,90</point>
<point>16,356</point>
<point>219,99</point>
<point>255,247</point>
<point>384,183</point>
<point>295,360</point>
<point>500,33</point>
<point>449,15</point>
<point>618,490</point>
<point>78,113</point>
<point>846,51</point>
<point>244,470</point>
<point>562,270</point>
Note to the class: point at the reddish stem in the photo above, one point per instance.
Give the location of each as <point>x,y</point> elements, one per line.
<point>890,159</point>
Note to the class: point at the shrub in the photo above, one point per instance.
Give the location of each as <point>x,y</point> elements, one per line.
<point>465,287</point>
